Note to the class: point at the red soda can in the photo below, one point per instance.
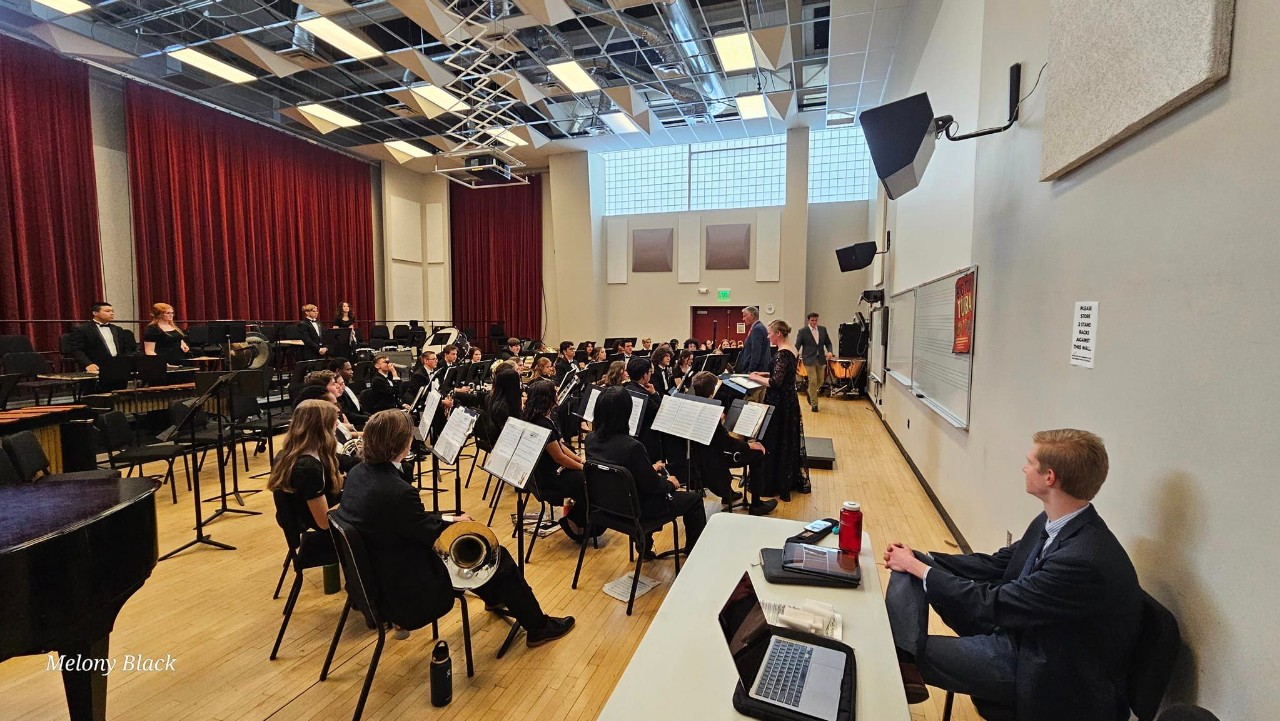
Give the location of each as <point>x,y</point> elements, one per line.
<point>851,527</point>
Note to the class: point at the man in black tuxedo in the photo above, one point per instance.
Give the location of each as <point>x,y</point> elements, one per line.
<point>383,392</point>
<point>815,348</point>
<point>99,339</point>
<point>311,334</point>
<point>564,363</point>
<point>413,584</point>
<point>348,402</point>
<point>512,350</point>
<point>1046,627</point>
<point>640,371</point>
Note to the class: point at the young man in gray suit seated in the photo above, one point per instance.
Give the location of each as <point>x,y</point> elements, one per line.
<point>1045,626</point>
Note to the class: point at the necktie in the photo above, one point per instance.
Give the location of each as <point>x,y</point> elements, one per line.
<point>1035,553</point>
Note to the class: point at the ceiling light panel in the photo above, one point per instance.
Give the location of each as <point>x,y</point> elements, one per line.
<point>329,115</point>
<point>751,107</point>
<point>620,123</point>
<point>506,137</point>
<point>573,77</point>
<point>209,64</point>
<point>66,7</point>
<point>735,52</point>
<point>407,149</point>
<point>330,32</point>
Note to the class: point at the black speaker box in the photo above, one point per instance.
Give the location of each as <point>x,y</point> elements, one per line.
<point>856,256</point>
<point>900,136</point>
<point>853,340</point>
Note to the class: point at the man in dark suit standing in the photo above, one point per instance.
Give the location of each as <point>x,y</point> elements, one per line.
<point>1046,626</point>
<point>815,348</point>
<point>311,335</point>
<point>99,339</point>
<point>755,356</point>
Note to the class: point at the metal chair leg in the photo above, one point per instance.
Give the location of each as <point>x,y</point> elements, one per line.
<point>675,537</point>
<point>542,509</point>
<point>337,634</point>
<point>288,559</point>
<point>582,551</point>
<point>466,636</point>
<point>368,677</point>
<point>946,706</point>
<point>635,581</point>
<point>288,612</point>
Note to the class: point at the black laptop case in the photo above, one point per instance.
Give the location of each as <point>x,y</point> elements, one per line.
<point>756,708</point>
<point>771,564</point>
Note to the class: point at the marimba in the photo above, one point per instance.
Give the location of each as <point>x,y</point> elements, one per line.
<point>64,432</point>
<point>142,400</point>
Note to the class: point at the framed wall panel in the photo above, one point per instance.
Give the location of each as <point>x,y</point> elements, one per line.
<point>653,250</point>
<point>435,239</point>
<point>729,247</point>
<point>768,245</point>
<point>404,228</point>
<point>689,249</point>
<point>616,255</point>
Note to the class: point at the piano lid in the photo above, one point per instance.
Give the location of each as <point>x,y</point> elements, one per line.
<point>33,512</point>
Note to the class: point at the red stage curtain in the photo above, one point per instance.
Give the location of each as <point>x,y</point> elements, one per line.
<point>496,246</point>
<point>49,256</point>
<point>236,220</point>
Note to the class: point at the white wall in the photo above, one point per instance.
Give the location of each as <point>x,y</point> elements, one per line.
<point>1172,234</point>
<point>415,228</point>
<point>573,250</point>
<point>832,294</point>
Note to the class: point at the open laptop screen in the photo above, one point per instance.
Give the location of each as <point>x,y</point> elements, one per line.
<point>745,630</point>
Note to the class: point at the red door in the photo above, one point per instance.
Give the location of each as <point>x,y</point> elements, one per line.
<point>717,322</point>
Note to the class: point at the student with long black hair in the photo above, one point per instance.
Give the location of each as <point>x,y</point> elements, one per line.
<point>559,470</point>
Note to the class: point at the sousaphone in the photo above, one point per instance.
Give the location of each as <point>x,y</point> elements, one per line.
<point>469,550</point>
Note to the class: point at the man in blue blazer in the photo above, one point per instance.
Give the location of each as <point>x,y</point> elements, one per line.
<point>1045,627</point>
<point>755,355</point>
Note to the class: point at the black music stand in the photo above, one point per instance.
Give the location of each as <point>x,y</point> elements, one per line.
<point>713,363</point>
<point>731,419</point>
<point>416,409</point>
<point>194,465</point>
<point>115,373</point>
<point>215,381</point>
<point>467,417</point>
<point>699,428</point>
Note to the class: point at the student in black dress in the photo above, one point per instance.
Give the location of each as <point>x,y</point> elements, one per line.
<point>344,317</point>
<point>782,470</point>
<point>500,403</point>
<point>162,338</point>
<point>558,473</point>
<point>305,480</point>
<point>682,370</point>
<point>413,584</point>
<point>659,493</point>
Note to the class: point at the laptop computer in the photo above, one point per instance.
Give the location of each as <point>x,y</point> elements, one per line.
<point>777,670</point>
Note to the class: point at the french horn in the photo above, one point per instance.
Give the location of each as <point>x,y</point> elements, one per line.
<point>353,448</point>
<point>469,550</point>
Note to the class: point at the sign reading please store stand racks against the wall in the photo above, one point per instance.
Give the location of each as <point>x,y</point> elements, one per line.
<point>1084,333</point>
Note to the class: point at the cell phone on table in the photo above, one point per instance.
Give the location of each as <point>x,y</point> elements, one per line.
<point>815,531</point>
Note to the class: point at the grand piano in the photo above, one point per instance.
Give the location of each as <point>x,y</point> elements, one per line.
<point>71,553</point>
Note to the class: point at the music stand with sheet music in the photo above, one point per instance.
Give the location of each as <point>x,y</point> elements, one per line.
<point>635,423</point>
<point>461,423</point>
<point>595,371</point>
<point>586,408</point>
<point>749,420</point>
<point>193,464</point>
<point>692,418</point>
<point>737,387</point>
<point>713,363</point>
<point>514,456</point>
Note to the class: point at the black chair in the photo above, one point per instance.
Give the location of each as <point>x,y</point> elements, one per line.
<point>8,383</point>
<point>251,423</point>
<point>307,549</point>
<point>400,334</point>
<point>122,452</point>
<point>379,336</point>
<point>614,503</point>
<point>359,574</point>
<point>9,475</point>
<point>30,365</point>
<point>361,372</point>
<point>32,464</point>
<point>1187,712</point>
<point>1155,651</point>
<point>15,344</point>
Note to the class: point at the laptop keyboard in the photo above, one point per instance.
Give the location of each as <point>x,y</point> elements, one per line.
<point>784,673</point>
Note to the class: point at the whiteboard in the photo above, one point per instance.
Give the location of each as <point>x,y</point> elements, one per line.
<point>876,351</point>
<point>902,314</point>
<point>940,378</point>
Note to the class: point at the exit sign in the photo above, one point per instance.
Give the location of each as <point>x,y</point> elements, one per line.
<point>722,295</point>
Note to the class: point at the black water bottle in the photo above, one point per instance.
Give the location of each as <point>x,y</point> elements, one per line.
<point>441,675</point>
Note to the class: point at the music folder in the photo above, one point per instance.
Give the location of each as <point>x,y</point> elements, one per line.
<point>586,409</point>
<point>454,434</point>
<point>688,416</point>
<point>516,452</point>
<point>635,423</point>
<point>748,418</point>
<point>425,405</point>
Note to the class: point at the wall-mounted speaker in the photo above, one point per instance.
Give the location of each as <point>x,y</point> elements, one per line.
<point>856,256</point>
<point>900,136</point>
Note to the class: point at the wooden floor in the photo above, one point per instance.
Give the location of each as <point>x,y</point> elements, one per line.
<point>213,611</point>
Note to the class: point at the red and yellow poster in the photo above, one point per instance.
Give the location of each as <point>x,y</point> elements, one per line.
<point>963,342</point>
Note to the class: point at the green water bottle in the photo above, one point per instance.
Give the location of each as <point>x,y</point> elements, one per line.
<point>332,583</point>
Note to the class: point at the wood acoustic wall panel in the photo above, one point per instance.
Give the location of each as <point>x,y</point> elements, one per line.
<point>689,249</point>
<point>404,295</point>
<point>435,232</point>
<point>768,245</point>
<point>438,291</point>
<point>616,255</point>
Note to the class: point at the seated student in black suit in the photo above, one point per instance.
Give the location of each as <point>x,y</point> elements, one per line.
<point>512,350</point>
<point>93,342</point>
<point>640,373</point>
<point>305,478</point>
<point>422,375</point>
<point>663,378</point>
<point>311,334</point>
<point>565,363</point>
<point>412,583</point>
<point>348,401</point>
<point>725,452</point>
<point>1045,626</point>
<point>383,392</point>
<point>659,494</point>
<point>559,470</point>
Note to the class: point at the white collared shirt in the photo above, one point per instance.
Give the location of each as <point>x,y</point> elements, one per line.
<point>108,338</point>
<point>316,324</point>
<point>352,395</point>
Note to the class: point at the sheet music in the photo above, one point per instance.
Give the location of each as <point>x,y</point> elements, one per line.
<point>517,451</point>
<point>593,393</point>
<point>571,382</point>
<point>748,424</point>
<point>745,382</point>
<point>690,419</point>
<point>428,414</point>
<point>454,435</point>
<point>637,413</point>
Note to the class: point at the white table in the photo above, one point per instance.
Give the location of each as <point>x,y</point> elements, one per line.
<point>682,668</point>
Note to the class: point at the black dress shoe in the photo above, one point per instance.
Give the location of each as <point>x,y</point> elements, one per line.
<point>555,628</point>
<point>762,508</point>
<point>912,683</point>
<point>731,497</point>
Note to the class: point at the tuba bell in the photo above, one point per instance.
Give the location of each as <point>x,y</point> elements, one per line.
<point>469,550</point>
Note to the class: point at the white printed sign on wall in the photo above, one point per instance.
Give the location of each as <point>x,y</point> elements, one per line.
<point>1084,333</point>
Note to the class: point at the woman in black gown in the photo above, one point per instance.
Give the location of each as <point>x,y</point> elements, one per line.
<point>344,317</point>
<point>162,338</point>
<point>781,471</point>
